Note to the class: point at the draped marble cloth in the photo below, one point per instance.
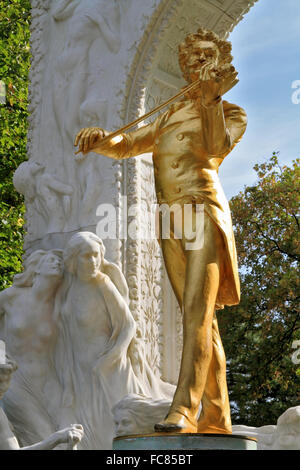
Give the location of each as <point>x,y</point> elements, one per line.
<point>29,409</point>
<point>184,171</point>
<point>91,389</point>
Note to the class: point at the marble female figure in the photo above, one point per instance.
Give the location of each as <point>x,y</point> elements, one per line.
<point>28,328</point>
<point>96,329</point>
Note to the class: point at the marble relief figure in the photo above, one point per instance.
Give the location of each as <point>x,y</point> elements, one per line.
<point>91,38</point>
<point>67,322</point>
<point>29,330</point>
<point>96,330</point>
<point>45,194</point>
<point>89,25</point>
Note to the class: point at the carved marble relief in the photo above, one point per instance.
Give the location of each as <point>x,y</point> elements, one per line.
<point>98,63</point>
<point>67,323</point>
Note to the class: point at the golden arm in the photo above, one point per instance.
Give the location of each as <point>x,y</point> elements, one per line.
<point>223,127</point>
<point>122,146</point>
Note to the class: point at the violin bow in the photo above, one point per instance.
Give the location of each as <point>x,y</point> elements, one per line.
<point>145,116</point>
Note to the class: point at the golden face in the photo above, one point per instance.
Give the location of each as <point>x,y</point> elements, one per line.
<point>202,53</point>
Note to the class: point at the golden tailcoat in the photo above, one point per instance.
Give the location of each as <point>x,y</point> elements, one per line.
<point>188,145</point>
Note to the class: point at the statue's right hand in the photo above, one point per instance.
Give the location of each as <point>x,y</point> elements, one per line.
<point>87,138</point>
<point>71,435</point>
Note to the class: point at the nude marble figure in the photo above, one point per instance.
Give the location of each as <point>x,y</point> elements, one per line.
<point>29,330</point>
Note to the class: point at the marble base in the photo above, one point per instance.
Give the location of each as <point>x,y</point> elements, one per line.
<point>162,441</point>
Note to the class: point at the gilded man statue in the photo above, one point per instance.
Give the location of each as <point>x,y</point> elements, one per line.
<point>189,142</point>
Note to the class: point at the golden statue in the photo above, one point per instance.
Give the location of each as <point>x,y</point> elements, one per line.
<point>189,141</point>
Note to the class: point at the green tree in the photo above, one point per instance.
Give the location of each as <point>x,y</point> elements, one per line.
<point>258,334</point>
<point>14,68</point>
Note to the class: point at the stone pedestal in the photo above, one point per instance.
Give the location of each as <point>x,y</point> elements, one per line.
<point>183,442</point>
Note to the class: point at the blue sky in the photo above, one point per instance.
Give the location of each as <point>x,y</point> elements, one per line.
<point>266,49</point>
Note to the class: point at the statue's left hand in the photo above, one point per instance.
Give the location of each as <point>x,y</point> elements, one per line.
<point>227,75</point>
<point>216,82</point>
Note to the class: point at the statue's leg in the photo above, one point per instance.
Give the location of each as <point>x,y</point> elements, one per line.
<point>200,291</point>
<point>215,412</point>
<point>175,263</point>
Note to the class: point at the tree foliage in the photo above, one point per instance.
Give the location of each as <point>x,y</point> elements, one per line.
<point>14,67</point>
<point>258,334</point>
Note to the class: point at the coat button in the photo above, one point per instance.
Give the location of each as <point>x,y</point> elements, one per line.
<point>175,165</point>
<point>178,190</point>
<point>180,136</point>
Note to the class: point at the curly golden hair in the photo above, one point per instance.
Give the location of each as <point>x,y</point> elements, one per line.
<point>191,45</point>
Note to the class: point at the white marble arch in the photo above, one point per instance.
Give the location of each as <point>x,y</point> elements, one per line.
<point>142,70</point>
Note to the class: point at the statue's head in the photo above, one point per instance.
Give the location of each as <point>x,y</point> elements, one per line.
<point>137,414</point>
<point>84,255</point>
<point>24,178</point>
<point>40,263</point>
<point>6,371</point>
<point>204,48</point>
